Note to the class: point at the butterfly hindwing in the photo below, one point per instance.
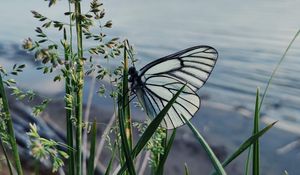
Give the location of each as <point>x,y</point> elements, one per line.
<point>163,78</point>
<point>156,96</point>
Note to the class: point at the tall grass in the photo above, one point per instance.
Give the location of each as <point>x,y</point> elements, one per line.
<point>10,131</point>
<point>69,113</point>
<point>124,147</point>
<point>79,84</point>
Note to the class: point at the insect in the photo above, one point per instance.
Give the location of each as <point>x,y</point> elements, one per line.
<point>157,82</point>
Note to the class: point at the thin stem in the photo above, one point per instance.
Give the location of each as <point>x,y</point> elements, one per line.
<point>10,129</point>
<point>128,128</point>
<point>79,91</point>
<point>71,31</point>
<point>255,158</point>
<point>276,68</point>
<point>69,113</point>
<point>248,160</point>
<point>86,119</point>
<point>10,168</point>
<point>102,140</point>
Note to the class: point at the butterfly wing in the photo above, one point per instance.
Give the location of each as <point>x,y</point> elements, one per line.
<point>163,78</point>
<point>154,98</point>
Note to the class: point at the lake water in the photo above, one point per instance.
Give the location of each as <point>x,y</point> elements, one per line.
<point>250,37</point>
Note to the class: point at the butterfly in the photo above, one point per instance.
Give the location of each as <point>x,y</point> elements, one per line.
<point>157,82</point>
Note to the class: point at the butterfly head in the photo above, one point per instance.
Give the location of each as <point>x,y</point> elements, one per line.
<point>134,78</point>
<point>132,73</point>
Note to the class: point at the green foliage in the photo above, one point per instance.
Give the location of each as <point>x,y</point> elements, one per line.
<point>38,109</point>
<point>71,67</point>
<point>7,127</point>
<point>21,95</point>
<point>155,143</point>
<point>10,168</point>
<point>4,136</point>
<point>43,149</point>
<point>17,69</point>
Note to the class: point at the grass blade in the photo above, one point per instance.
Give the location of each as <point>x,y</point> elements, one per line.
<point>92,149</point>
<point>126,99</point>
<point>247,144</point>
<point>255,160</point>
<point>10,168</point>
<point>125,145</point>
<point>10,128</point>
<point>125,119</point>
<point>79,84</point>
<point>69,125</point>
<point>276,68</point>
<point>215,161</point>
<point>261,102</point>
<point>151,129</point>
<point>186,170</point>
<point>248,161</point>
<point>162,161</point>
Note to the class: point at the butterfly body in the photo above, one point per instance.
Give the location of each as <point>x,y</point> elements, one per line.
<point>134,79</point>
<point>136,87</point>
<point>157,82</point>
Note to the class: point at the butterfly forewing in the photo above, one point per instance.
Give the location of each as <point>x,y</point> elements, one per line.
<point>192,65</point>
<point>163,78</point>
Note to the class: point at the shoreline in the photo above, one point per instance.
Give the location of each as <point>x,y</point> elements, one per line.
<point>244,112</point>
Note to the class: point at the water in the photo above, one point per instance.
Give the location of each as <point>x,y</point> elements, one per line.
<point>250,36</point>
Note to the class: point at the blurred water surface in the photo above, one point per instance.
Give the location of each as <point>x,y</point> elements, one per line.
<point>250,36</point>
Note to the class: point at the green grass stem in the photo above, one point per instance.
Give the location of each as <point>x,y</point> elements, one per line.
<point>68,84</point>
<point>79,86</point>
<point>125,119</point>
<point>255,157</point>
<point>10,129</point>
<point>124,140</point>
<point>10,168</point>
<point>276,68</point>
<point>125,100</point>
<point>186,169</point>
<point>249,156</point>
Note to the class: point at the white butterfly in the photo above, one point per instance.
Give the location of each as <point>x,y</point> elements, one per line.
<point>157,82</point>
